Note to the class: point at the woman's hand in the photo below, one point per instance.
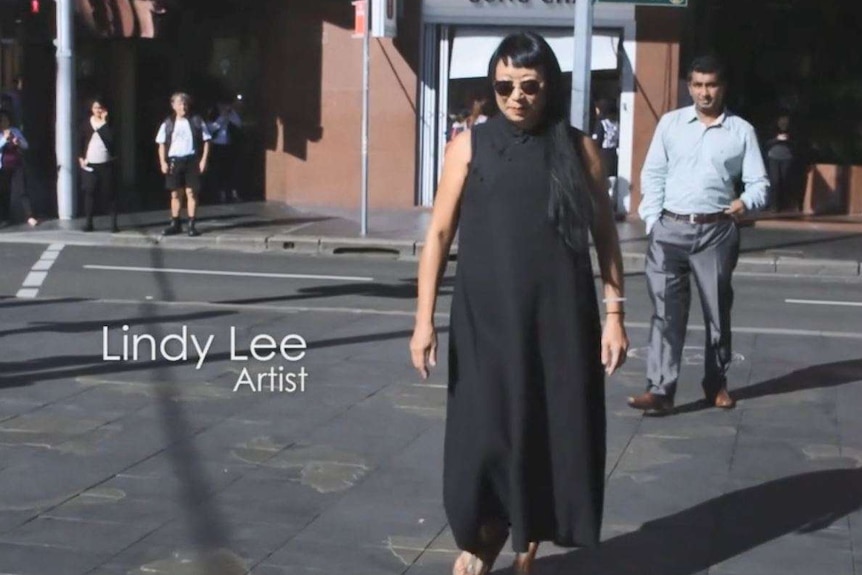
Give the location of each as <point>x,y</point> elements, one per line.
<point>83,162</point>
<point>423,348</point>
<point>615,343</point>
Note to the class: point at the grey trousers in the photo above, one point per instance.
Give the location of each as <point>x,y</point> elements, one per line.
<point>678,249</point>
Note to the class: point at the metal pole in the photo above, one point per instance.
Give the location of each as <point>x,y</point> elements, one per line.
<point>65,125</point>
<point>581,65</point>
<point>366,45</point>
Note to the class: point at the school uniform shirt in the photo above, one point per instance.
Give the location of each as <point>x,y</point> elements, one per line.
<point>182,140</point>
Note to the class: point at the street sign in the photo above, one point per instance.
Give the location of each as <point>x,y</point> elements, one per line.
<point>672,3</point>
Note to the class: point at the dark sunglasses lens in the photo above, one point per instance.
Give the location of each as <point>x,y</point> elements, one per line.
<point>530,87</point>
<point>504,88</point>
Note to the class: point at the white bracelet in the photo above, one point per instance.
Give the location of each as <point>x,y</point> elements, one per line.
<point>613,299</point>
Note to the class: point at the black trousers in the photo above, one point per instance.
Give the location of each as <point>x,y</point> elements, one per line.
<point>100,188</point>
<point>782,189</point>
<point>12,184</point>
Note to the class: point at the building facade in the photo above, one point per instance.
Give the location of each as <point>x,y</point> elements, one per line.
<point>312,78</point>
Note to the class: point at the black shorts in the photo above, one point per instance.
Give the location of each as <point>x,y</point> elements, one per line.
<point>183,173</point>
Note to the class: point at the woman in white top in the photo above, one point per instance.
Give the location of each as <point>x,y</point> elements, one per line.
<point>96,158</point>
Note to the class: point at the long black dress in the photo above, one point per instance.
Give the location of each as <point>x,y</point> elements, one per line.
<point>525,427</point>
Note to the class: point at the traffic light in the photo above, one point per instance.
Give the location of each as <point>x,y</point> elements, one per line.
<point>34,7</point>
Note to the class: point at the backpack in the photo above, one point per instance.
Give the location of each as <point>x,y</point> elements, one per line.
<point>197,125</point>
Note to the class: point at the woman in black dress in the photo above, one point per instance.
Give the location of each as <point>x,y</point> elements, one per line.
<point>525,426</point>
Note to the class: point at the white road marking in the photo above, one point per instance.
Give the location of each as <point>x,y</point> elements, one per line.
<point>824,302</point>
<point>445,316</point>
<point>35,279</point>
<point>771,331</point>
<point>43,265</point>
<point>39,272</point>
<point>226,273</point>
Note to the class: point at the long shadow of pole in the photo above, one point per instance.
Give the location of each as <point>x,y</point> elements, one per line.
<point>209,532</point>
<point>691,541</point>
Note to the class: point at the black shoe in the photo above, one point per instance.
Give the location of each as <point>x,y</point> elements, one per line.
<point>173,229</point>
<point>193,232</point>
<point>88,227</point>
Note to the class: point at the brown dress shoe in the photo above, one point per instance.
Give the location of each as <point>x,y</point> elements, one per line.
<point>651,403</point>
<point>723,399</point>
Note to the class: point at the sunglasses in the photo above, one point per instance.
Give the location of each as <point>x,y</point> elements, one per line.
<point>505,87</point>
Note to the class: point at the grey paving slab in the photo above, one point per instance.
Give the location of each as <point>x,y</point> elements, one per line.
<point>637,498</point>
<point>29,560</point>
<point>792,554</point>
<point>774,458</point>
<point>81,536</point>
<point>307,556</point>
<point>111,505</point>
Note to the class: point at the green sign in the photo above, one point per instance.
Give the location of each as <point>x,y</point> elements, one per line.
<point>674,3</point>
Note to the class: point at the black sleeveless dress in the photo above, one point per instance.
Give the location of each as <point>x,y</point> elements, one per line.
<point>525,425</point>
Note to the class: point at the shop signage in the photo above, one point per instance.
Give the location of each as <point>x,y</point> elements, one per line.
<point>672,3</point>
<point>384,18</point>
<point>519,12</point>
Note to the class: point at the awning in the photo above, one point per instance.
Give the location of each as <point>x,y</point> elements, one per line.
<point>473,47</point>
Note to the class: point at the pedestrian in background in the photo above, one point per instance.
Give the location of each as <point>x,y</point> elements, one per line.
<point>13,144</point>
<point>184,147</point>
<point>525,423</point>
<point>224,125</point>
<point>697,156</point>
<point>781,161</point>
<point>607,136</point>
<point>14,96</point>
<point>96,158</point>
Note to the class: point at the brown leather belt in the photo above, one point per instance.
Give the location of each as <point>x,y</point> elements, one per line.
<point>697,218</point>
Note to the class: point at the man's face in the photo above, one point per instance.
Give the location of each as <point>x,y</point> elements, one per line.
<point>707,92</point>
<point>180,106</point>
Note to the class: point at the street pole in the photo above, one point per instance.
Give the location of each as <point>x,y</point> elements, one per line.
<point>65,126</point>
<point>366,57</point>
<point>581,65</point>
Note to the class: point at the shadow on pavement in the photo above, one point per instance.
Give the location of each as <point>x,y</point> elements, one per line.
<point>96,326</point>
<point>814,377</point>
<point>691,541</point>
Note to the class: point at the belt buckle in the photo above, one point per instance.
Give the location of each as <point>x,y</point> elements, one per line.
<point>692,219</point>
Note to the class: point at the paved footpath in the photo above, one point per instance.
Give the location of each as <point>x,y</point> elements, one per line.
<point>820,247</point>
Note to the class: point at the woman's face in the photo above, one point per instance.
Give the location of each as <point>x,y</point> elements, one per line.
<point>99,111</point>
<point>521,93</point>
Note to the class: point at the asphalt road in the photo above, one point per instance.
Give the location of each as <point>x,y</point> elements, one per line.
<point>118,466</point>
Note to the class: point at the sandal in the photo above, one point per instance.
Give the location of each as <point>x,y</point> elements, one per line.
<point>524,561</point>
<point>493,538</point>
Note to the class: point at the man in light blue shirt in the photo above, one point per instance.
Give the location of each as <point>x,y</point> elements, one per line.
<point>698,157</point>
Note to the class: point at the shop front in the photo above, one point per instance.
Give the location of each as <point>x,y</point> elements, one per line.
<point>458,39</point>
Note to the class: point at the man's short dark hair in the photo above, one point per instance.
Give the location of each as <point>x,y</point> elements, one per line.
<point>708,64</point>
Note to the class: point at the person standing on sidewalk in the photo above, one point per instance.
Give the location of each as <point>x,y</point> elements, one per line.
<point>184,149</point>
<point>697,157</point>
<point>12,180</point>
<point>97,164</point>
<point>225,126</point>
<point>607,136</point>
<point>525,416</point>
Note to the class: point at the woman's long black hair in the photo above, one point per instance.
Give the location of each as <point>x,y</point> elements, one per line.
<point>570,206</point>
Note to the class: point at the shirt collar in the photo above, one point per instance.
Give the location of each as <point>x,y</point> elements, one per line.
<point>691,116</point>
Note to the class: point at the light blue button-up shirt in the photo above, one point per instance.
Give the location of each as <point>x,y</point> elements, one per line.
<point>692,168</point>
